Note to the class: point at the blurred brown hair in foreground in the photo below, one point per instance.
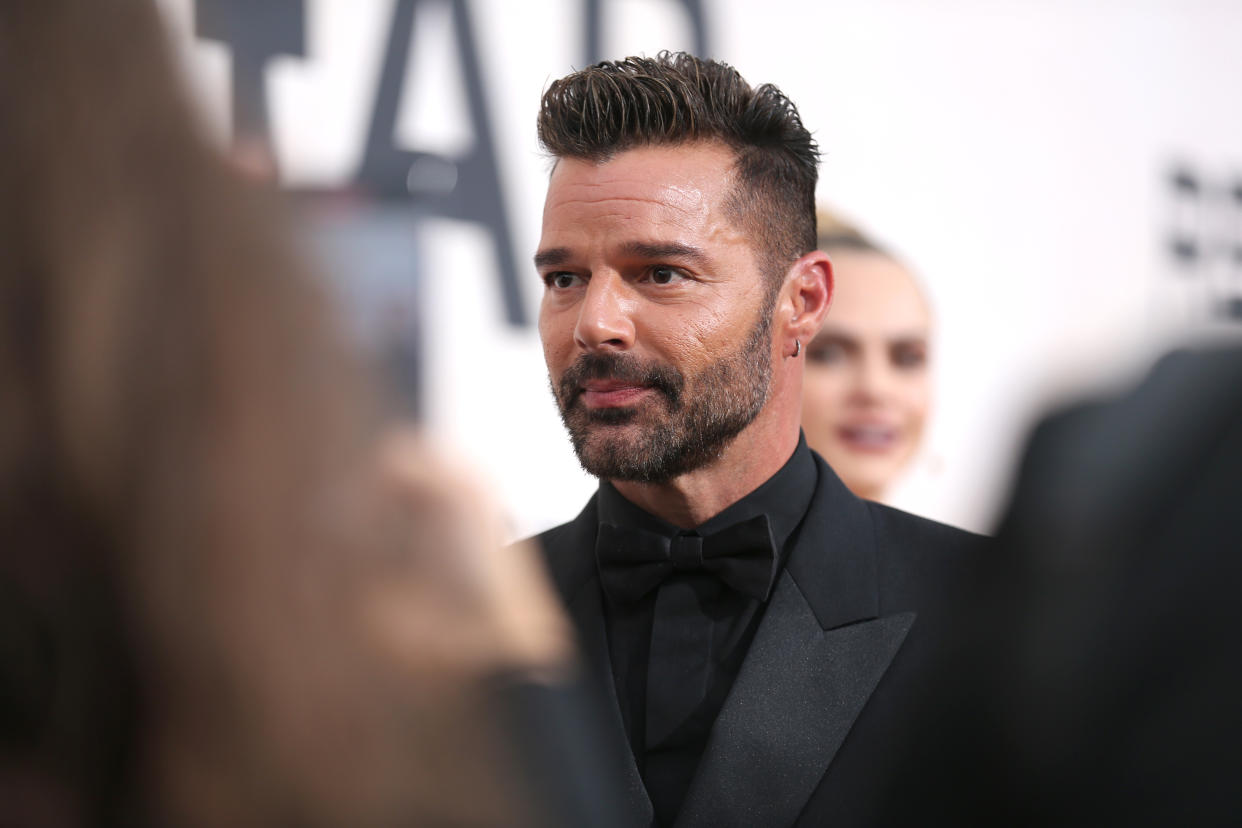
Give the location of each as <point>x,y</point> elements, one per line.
<point>224,597</point>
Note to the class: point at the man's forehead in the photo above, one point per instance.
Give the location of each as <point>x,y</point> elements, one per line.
<point>683,185</point>
<point>630,229</point>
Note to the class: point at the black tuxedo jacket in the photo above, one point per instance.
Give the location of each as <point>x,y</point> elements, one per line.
<point>803,736</point>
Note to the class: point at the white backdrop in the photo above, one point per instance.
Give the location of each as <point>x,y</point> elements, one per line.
<point>1016,152</point>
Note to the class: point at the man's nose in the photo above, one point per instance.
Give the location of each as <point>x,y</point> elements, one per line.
<point>605,315</point>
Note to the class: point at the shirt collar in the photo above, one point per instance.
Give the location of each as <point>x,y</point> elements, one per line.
<point>784,498</point>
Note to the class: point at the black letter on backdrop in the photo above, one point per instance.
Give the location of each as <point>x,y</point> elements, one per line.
<point>1184,192</point>
<point>256,32</point>
<point>1205,237</point>
<point>466,188</point>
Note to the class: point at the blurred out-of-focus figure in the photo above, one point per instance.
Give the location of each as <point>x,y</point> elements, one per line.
<point>867,387</point>
<point>229,594</point>
<point>1094,671</point>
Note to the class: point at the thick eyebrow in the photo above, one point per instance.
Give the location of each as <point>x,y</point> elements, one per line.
<point>665,250</point>
<point>552,257</point>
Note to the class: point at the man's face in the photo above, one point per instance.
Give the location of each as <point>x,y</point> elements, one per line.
<point>655,318</point>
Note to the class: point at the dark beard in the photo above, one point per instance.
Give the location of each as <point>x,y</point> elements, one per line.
<point>702,416</point>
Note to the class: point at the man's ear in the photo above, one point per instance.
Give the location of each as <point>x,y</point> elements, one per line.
<point>808,294</point>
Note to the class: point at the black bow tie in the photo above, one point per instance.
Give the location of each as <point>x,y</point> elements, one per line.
<point>632,562</point>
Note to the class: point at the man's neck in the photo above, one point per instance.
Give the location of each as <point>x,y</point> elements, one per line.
<point>691,499</point>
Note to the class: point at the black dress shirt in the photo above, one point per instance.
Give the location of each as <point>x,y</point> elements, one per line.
<point>668,766</point>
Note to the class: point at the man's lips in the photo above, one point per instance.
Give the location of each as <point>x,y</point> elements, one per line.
<point>612,393</point>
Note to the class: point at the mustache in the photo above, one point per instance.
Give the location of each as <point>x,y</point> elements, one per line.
<point>621,368</point>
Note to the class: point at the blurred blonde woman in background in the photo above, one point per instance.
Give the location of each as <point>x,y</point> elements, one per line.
<point>867,386</point>
<point>228,594</point>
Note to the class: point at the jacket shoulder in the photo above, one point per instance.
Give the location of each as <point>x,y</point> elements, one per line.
<point>909,530</point>
<point>918,558</point>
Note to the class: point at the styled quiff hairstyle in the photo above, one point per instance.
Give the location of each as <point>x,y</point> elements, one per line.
<point>676,98</point>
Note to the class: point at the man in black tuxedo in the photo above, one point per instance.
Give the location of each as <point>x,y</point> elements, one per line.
<point>752,620</point>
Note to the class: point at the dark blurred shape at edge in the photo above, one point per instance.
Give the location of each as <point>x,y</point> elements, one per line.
<point>1095,677</point>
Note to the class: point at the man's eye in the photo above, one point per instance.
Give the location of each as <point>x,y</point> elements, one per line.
<point>560,281</point>
<point>664,275</point>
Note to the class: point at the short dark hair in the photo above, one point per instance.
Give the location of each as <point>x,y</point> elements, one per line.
<point>676,98</point>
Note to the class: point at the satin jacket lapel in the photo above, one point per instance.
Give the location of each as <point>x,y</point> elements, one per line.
<point>818,654</point>
<point>570,553</point>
